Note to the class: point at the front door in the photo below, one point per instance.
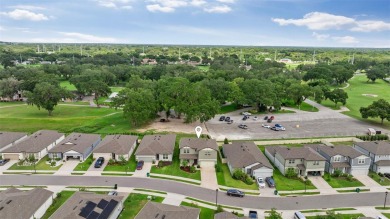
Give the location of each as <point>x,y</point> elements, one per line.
<point>113,156</point>
<point>157,157</point>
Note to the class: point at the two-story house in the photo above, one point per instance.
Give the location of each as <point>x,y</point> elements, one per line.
<point>379,152</point>
<point>344,158</point>
<point>156,148</point>
<point>198,151</point>
<point>304,160</point>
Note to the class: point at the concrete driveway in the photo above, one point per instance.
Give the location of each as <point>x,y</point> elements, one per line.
<point>145,169</point>
<point>322,185</point>
<point>7,165</point>
<point>208,176</point>
<point>370,183</point>
<point>173,199</point>
<point>67,167</point>
<point>92,171</point>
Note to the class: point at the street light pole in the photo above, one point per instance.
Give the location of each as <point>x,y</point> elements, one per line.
<point>216,198</point>
<point>305,183</point>
<point>384,205</point>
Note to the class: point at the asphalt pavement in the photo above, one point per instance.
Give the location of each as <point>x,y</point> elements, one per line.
<point>256,202</point>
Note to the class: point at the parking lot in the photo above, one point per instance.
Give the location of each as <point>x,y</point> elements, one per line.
<point>324,123</point>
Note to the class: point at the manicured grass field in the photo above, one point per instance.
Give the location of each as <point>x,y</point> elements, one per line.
<point>386,215</point>
<point>129,167</point>
<point>205,213</point>
<point>342,182</point>
<point>134,203</point>
<point>203,67</point>
<point>341,216</point>
<point>41,165</point>
<point>225,179</point>
<point>83,166</point>
<point>285,184</point>
<point>228,108</point>
<point>57,202</point>
<point>67,85</point>
<point>304,107</point>
<point>384,181</point>
<point>65,119</point>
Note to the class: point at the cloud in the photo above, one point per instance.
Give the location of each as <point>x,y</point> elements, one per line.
<point>345,39</point>
<point>27,7</point>
<point>226,1</point>
<point>158,8</point>
<point>2,28</point>
<point>87,38</point>
<point>325,21</point>
<point>193,30</point>
<point>320,36</point>
<point>21,14</point>
<point>198,3</point>
<point>115,4</point>
<point>218,9</point>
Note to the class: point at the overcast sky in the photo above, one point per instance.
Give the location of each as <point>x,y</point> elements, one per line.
<point>330,23</point>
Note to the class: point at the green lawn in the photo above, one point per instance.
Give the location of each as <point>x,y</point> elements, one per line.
<point>384,181</point>
<point>129,167</point>
<point>57,202</point>
<point>205,213</point>
<point>83,166</point>
<point>342,182</point>
<point>304,107</point>
<point>285,184</point>
<point>116,89</point>
<point>341,216</point>
<point>228,108</point>
<point>41,165</point>
<point>386,215</point>
<point>134,203</point>
<point>67,85</point>
<point>345,143</point>
<point>225,179</point>
<point>65,119</point>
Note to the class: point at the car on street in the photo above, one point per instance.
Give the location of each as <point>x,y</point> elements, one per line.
<point>252,214</point>
<point>114,193</point>
<point>270,182</point>
<point>230,121</point>
<point>99,162</point>
<point>260,182</point>
<point>266,126</point>
<point>242,126</point>
<point>235,192</point>
<point>3,162</point>
<point>227,119</point>
<point>140,164</point>
<point>222,118</point>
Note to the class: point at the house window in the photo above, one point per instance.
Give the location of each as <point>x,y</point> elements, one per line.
<point>291,161</point>
<point>361,161</point>
<point>316,163</point>
<point>207,153</point>
<point>186,151</point>
<point>165,156</point>
<point>336,159</point>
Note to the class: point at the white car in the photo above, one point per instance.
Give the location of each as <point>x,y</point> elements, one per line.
<point>266,126</point>
<point>255,118</point>
<point>246,114</point>
<point>260,181</point>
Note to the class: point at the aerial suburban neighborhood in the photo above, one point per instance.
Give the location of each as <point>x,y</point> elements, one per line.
<point>194,109</point>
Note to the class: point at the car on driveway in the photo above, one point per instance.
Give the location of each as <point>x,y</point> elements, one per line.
<point>140,164</point>
<point>242,126</point>
<point>270,182</point>
<point>260,182</point>
<point>235,192</point>
<point>3,162</point>
<point>222,118</point>
<point>99,162</point>
<point>266,126</point>
<point>253,214</point>
<point>114,193</point>
<point>387,175</point>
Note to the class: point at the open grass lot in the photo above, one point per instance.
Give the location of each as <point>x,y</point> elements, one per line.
<point>345,143</point>
<point>41,165</point>
<point>304,106</point>
<point>358,87</point>
<point>203,67</point>
<point>341,216</point>
<point>228,108</point>
<point>341,182</point>
<point>129,167</point>
<point>134,203</point>
<point>65,119</point>
<point>225,179</point>
<point>384,181</point>
<point>57,202</point>
<point>285,184</point>
<point>205,213</point>
<point>67,85</point>
<point>83,166</point>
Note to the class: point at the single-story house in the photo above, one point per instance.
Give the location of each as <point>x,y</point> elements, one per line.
<point>75,146</point>
<point>246,156</point>
<point>7,139</point>
<point>37,144</point>
<point>82,205</point>
<point>156,210</point>
<point>304,160</point>
<point>114,146</point>
<point>18,204</point>
<point>228,215</point>
<point>344,158</point>
<point>156,148</point>
<point>198,151</point>
<point>378,151</point>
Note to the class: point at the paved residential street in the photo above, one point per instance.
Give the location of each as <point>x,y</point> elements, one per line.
<point>256,202</point>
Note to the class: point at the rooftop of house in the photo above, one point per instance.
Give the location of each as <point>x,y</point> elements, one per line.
<point>118,144</point>
<point>242,154</point>
<point>198,143</point>
<point>7,138</point>
<point>286,153</point>
<point>375,147</point>
<point>164,211</point>
<point>156,144</point>
<point>346,151</point>
<point>77,142</point>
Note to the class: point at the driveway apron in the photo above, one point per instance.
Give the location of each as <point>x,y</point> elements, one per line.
<point>92,171</point>
<point>208,176</point>
<point>67,167</point>
<point>145,169</point>
<point>322,185</point>
<point>7,165</point>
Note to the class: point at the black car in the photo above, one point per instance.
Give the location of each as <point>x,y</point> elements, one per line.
<point>99,162</point>
<point>222,118</point>
<point>4,161</point>
<point>387,175</point>
<point>245,118</point>
<point>266,118</point>
<point>242,126</point>
<point>235,192</point>
<point>269,120</point>
<point>227,119</point>
<point>270,182</point>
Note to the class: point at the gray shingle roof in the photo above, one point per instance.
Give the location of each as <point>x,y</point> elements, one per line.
<point>383,163</point>
<point>241,154</point>
<point>73,206</point>
<point>157,211</point>
<point>306,153</point>
<point>75,141</point>
<point>156,144</point>
<point>35,142</point>
<point>227,215</point>
<point>7,138</point>
<point>375,147</point>
<point>18,204</point>
<point>198,143</point>
<point>118,144</point>
<point>346,151</point>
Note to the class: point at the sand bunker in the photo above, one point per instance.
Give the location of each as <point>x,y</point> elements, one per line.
<point>370,95</point>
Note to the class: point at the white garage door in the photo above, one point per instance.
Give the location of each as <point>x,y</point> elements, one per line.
<point>383,170</point>
<point>206,163</point>
<point>11,156</point>
<point>145,158</point>
<point>359,171</point>
<point>262,172</point>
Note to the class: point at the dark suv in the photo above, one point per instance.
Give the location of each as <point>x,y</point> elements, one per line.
<point>99,162</point>
<point>270,182</point>
<point>235,192</point>
<point>222,118</point>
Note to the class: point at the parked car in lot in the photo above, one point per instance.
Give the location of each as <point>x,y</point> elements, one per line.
<point>253,214</point>
<point>279,127</point>
<point>246,114</point>
<point>3,162</point>
<point>99,162</point>
<point>260,182</point>
<point>245,118</point>
<point>222,118</point>
<point>227,119</point>
<point>266,126</point>
<point>270,182</point>
<point>140,164</point>
<point>272,117</point>
<point>242,126</point>
<point>266,118</point>
<point>269,120</point>
<point>235,192</point>
<point>255,118</point>
<point>230,121</point>
<point>115,193</point>
<point>275,128</point>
